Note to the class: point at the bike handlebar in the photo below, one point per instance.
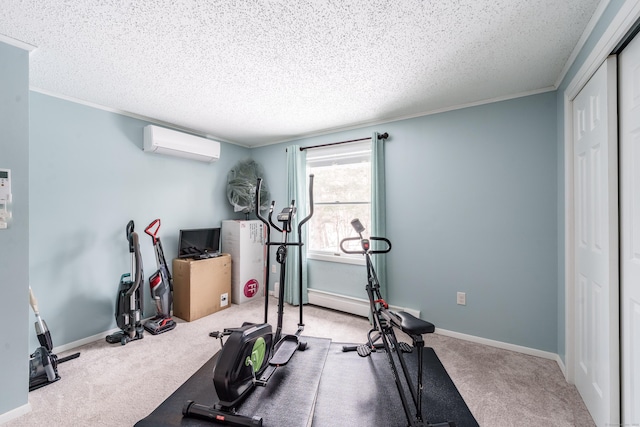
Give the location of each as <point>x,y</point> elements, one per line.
<point>365,246</point>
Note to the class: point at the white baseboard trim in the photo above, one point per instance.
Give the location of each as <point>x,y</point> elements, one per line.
<point>357,306</point>
<point>360,307</point>
<point>562,367</point>
<point>83,341</point>
<point>499,344</point>
<point>15,413</point>
<point>89,340</point>
<point>92,338</point>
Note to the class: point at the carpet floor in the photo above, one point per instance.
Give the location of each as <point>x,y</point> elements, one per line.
<point>113,385</point>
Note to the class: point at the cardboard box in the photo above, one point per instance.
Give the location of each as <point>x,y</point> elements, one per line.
<point>201,287</point>
<point>244,241</point>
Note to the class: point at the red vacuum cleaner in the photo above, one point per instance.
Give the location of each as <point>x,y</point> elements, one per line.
<point>161,285</point>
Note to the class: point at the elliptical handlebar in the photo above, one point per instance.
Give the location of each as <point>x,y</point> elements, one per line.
<point>258,188</point>
<point>285,228</point>
<point>308,217</point>
<point>269,222</point>
<point>260,217</point>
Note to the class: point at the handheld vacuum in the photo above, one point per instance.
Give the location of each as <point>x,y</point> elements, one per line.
<point>43,363</point>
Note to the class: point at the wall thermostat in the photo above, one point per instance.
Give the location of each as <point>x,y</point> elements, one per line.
<point>5,197</point>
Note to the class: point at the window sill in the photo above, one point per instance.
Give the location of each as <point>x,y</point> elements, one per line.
<point>336,258</point>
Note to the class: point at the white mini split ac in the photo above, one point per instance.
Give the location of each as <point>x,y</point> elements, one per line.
<point>172,143</point>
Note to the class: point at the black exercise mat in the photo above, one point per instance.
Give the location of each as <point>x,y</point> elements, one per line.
<point>287,400</point>
<point>361,391</point>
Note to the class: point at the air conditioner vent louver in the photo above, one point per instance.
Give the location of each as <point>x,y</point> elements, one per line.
<point>172,143</point>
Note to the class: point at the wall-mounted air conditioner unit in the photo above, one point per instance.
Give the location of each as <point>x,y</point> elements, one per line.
<point>172,143</point>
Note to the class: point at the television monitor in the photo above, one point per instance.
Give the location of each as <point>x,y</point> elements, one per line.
<point>199,243</point>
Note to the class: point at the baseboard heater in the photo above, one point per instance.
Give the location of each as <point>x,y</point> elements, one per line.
<point>347,304</point>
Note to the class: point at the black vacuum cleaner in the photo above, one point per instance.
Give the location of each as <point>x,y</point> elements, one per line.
<point>43,363</point>
<point>161,285</point>
<point>129,304</point>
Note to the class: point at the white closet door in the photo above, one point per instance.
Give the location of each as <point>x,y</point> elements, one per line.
<point>596,246</point>
<point>630,229</point>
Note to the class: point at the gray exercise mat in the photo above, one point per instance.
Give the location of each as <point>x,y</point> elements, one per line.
<point>286,401</point>
<point>347,390</point>
<point>361,391</point>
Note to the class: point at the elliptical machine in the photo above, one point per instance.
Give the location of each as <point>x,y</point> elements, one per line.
<point>129,303</point>
<point>161,286</point>
<point>253,352</point>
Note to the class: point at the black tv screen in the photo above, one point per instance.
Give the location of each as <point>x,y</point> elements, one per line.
<point>199,242</point>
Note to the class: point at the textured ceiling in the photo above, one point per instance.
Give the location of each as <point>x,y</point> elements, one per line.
<point>258,72</point>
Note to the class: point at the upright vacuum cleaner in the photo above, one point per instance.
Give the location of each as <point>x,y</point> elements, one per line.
<point>129,303</point>
<point>161,285</point>
<point>43,364</point>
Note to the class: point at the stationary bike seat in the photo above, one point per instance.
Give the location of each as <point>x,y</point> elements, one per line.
<point>412,325</point>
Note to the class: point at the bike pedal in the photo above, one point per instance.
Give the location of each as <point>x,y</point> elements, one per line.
<point>363,350</point>
<point>404,347</point>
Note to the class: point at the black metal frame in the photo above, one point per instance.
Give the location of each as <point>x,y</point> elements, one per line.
<point>384,323</point>
<point>285,217</point>
<point>280,348</point>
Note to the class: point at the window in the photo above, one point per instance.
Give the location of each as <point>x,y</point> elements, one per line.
<point>342,192</point>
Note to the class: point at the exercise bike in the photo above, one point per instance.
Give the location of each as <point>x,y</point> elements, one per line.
<point>129,303</point>
<point>382,336</point>
<point>161,287</point>
<point>253,352</point>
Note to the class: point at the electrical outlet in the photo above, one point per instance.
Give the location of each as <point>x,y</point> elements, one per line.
<point>462,298</point>
<point>276,289</point>
<point>224,299</point>
<point>273,268</point>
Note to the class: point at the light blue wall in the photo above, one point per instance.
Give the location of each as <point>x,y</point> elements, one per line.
<point>88,178</point>
<point>471,206</point>
<point>342,279</point>
<point>603,24</point>
<point>473,210</point>
<point>14,241</point>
